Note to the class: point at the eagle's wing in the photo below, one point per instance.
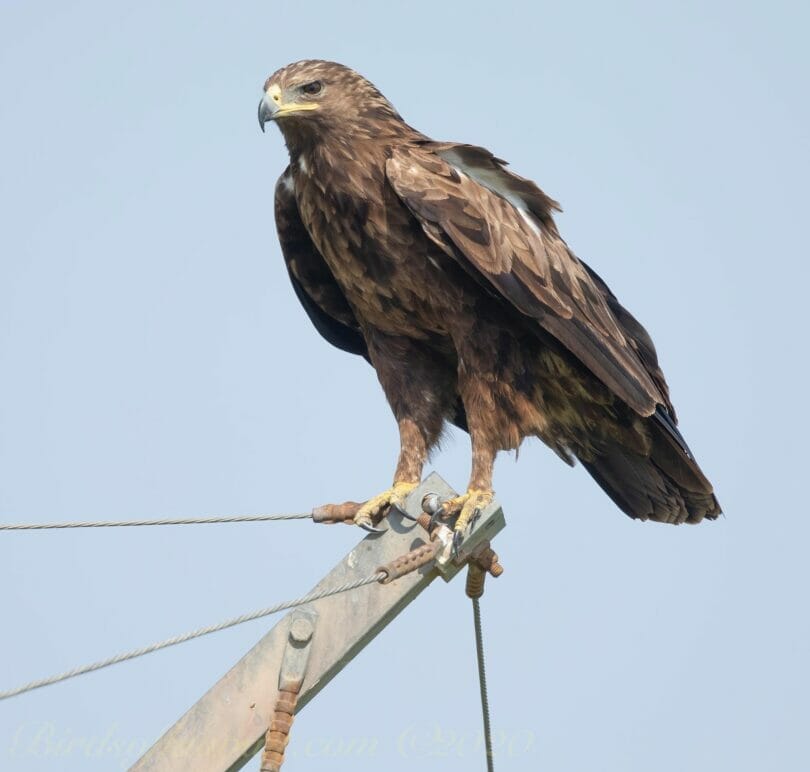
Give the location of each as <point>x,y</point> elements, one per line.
<point>499,226</point>
<point>315,285</point>
<point>313,282</point>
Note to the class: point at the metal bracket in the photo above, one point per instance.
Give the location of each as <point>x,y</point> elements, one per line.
<point>490,522</point>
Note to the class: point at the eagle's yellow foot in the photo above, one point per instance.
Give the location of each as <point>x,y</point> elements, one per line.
<point>468,507</point>
<point>377,507</point>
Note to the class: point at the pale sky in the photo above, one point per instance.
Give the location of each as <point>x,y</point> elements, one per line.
<point>155,362</point>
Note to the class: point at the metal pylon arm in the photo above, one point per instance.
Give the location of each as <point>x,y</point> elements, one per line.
<point>226,727</point>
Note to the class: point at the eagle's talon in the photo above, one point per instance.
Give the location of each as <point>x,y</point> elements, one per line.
<point>402,511</point>
<point>469,508</point>
<point>368,525</point>
<point>377,507</point>
<point>454,547</point>
<point>435,519</point>
<point>460,534</point>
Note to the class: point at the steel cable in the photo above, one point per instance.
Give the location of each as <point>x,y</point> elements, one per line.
<point>163,521</point>
<point>309,598</point>
<point>482,682</point>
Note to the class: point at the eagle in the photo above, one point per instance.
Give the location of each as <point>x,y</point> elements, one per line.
<point>446,271</point>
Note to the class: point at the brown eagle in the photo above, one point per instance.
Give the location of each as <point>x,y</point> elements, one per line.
<point>447,273</point>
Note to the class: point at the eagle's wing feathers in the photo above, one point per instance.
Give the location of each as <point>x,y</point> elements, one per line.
<point>313,282</point>
<point>500,226</point>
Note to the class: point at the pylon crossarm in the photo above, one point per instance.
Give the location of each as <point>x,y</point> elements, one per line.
<point>227,726</point>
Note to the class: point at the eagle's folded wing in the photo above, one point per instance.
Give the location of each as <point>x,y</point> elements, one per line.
<point>313,282</point>
<point>499,226</point>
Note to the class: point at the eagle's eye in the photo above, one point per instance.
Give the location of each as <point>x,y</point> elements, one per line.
<point>312,88</point>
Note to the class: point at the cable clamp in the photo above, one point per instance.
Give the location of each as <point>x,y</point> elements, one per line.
<point>410,561</point>
<point>290,680</point>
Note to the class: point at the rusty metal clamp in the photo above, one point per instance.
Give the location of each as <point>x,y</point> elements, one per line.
<point>483,561</point>
<point>290,679</point>
<point>336,513</point>
<point>410,561</point>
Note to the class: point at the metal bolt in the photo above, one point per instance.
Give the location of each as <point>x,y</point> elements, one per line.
<point>496,569</point>
<point>301,630</point>
<point>431,503</point>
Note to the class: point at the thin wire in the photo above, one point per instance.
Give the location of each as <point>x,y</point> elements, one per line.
<point>482,681</point>
<point>164,521</point>
<point>309,598</point>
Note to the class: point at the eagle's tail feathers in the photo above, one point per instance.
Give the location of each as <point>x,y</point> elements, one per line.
<point>667,485</point>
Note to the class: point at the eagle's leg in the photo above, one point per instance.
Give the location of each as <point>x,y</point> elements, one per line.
<point>478,385</point>
<point>479,492</point>
<point>420,388</point>
<point>412,455</point>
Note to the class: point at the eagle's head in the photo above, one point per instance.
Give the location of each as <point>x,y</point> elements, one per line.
<point>313,97</point>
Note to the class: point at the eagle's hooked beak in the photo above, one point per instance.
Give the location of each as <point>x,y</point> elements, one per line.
<point>272,106</point>
<point>266,112</point>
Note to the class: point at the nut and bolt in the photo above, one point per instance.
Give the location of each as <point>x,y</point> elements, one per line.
<point>301,630</point>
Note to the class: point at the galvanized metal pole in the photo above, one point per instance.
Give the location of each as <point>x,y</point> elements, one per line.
<point>227,726</point>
